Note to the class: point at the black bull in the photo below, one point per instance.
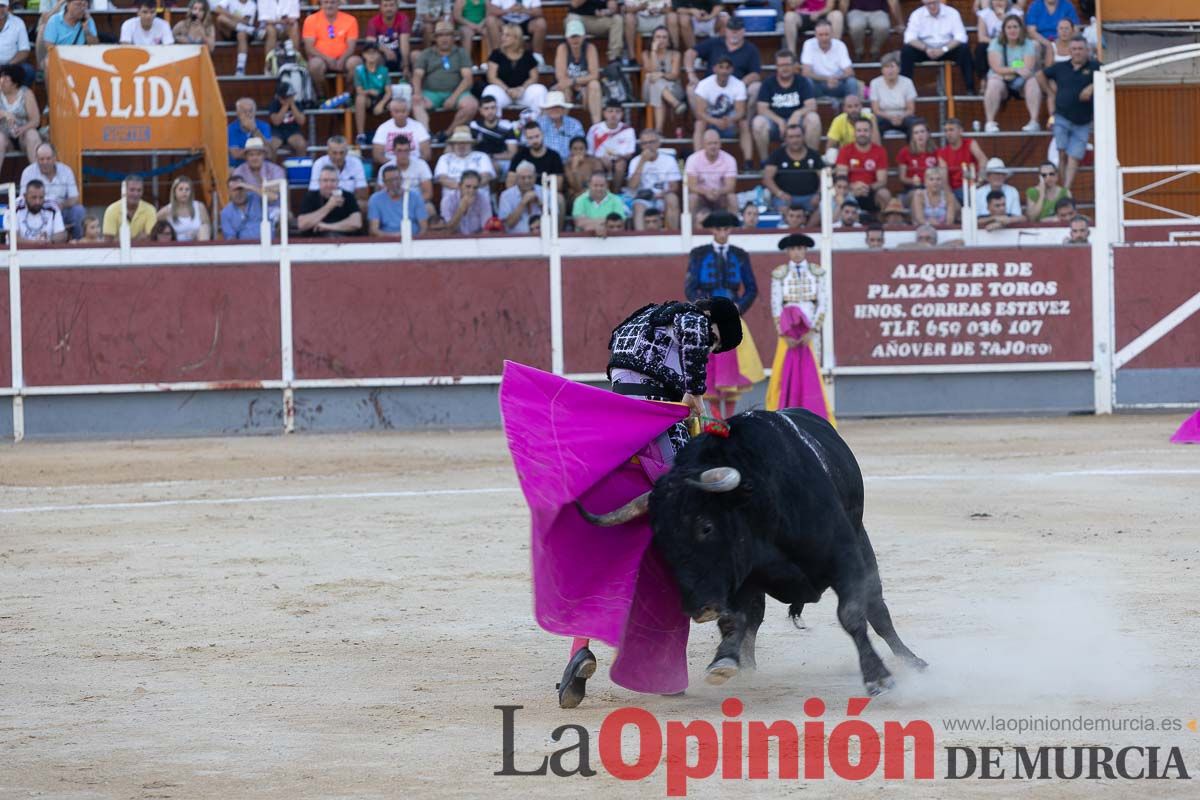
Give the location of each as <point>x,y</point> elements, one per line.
<point>776,508</point>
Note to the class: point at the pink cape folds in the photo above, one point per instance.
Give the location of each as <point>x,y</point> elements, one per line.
<point>795,377</point>
<point>574,442</point>
<point>1189,431</point>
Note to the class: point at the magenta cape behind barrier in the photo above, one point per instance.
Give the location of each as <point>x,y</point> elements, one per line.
<point>574,442</point>
<point>1189,431</point>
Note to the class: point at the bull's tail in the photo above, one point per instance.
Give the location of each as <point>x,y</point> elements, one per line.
<point>794,612</point>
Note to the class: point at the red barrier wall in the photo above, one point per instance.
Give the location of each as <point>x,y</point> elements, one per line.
<point>419,318</point>
<point>1149,283</point>
<point>962,306</point>
<point>150,324</point>
<point>5,344</point>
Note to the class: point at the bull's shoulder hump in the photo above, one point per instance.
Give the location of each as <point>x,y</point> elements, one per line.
<point>780,272</point>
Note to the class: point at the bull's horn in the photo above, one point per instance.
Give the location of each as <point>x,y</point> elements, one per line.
<point>630,511</point>
<point>718,479</point>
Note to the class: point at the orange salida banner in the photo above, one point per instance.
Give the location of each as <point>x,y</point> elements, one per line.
<point>115,98</point>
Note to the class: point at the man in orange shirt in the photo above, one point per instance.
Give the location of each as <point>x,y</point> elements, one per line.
<point>330,37</point>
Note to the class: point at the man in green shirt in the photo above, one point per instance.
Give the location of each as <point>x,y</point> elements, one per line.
<point>442,80</point>
<point>593,207</point>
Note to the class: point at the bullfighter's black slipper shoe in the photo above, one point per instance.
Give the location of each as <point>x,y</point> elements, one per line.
<point>574,680</point>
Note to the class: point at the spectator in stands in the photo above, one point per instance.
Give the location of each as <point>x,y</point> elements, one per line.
<point>276,17</point>
<point>91,230</point>
<point>37,220</point>
<point>875,236</point>
<point>849,216</point>
<point>601,18</point>
<point>934,202</point>
<point>494,136</point>
<point>826,62</point>
<point>558,128</point>
<point>385,208</point>
<point>186,215</point>
<point>643,18</point>
<point>287,120</point>
<point>19,115</point>
<point>935,32</point>
<point>792,173</point>
<point>352,178</point>
<point>146,29</point>
<point>14,44</point>
<point>414,172</point>
<point>614,225</point>
<point>462,157</point>
<point>197,27</point>
<point>372,89</point>
<point>535,225</point>
<point>785,99</point>
<point>391,31</point>
<point>59,184</point>
<point>1060,48</point>
<point>894,214</point>
<point>613,142</point>
<point>989,19</point>
<point>72,25</point>
<point>577,70</point>
<point>255,172</point>
<point>241,218</point>
<point>236,20</point>
<point>995,174</point>
<point>1068,87</point>
<point>750,215</point>
<point>591,208</point>
<point>537,153</point>
<point>841,128</point>
<point>140,215</point>
<point>1012,57</point>
<point>893,98</point>
<point>329,210</point>
<point>865,164</point>
<point>1041,200</point>
<point>330,37</point>
<point>690,19</point>
<point>878,15</point>
<point>400,126</point>
<point>162,232</point>
<point>793,219</point>
<point>527,14</point>
<point>916,156</point>
<point>579,168</point>
<point>654,182</point>
<point>719,103</point>
<point>742,55</point>
<point>805,15</point>
<point>711,176</point>
<point>429,14</point>
<point>512,73</point>
<point>997,216</point>
<point>470,16</point>
<point>841,190</point>
<point>1079,231</point>
<point>1044,17</point>
<point>652,220</point>
<point>1064,210</point>
<point>521,201</point>
<point>467,208</point>
<point>442,80</point>
<point>926,236</point>
<point>660,78</point>
<point>959,154</point>
<point>246,126</point>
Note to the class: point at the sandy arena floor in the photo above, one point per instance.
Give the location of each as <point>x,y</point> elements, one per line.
<point>336,616</point>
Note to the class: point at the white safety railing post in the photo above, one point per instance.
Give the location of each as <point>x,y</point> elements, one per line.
<point>545,224</point>
<point>264,224</point>
<point>556,298</point>
<point>1106,231</point>
<point>15,339</point>
<point>124,237</point>
<point>826,246</point>
<point>970,213</point>
<point>406,232</point>
<point>685,218</point>
<point>286,355</point>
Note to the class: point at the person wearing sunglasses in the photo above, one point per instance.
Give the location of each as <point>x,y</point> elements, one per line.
<point>330,36</point>
<point>1041,200</point>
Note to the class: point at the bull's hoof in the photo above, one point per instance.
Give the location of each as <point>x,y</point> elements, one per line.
<point>917,663</point>
<point>721,670</point>
<point>573,686</point>
<point>878,687</point>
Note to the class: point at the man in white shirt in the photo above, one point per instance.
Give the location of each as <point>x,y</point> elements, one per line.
<point>37,220</point>
<point>612,141</point>
<point>935,32</point>
<point>826,62</point>
<point>997,173</point>
<point>237,19</point>
<point>459,158</point>
<point>351,176</point>
<point>654,182</point>
<point>400,125</point>
<point>719,104</point>
<point>14,43</point>
<point>59,182</point>
<point>146,28</point>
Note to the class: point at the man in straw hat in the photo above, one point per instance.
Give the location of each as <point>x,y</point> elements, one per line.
<point>798,305</point>
<point>442,79</point>
<point>461,156</point>
<point>721,269</point>
<point>558,127</point>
